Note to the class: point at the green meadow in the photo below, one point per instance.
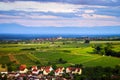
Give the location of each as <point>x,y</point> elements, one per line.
<point>46,53</point>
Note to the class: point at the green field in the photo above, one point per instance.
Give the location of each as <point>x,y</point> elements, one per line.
<point>48,52</point>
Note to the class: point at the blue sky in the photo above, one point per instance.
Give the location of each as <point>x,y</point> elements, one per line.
<point>60,13</point>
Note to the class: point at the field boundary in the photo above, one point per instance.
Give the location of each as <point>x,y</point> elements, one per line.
<point>91,59</point>
<point>12,59</point>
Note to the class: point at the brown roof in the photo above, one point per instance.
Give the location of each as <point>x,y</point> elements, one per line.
<point>34,68</point>
<point>47,70</point>
<point>22,67</point>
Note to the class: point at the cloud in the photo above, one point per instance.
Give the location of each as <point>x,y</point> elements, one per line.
<point>96,16</point>
<point>26,16</point>
<point>62,22</point>
<point>78,2</point>
<point>36,14</point>
<point>31,6</point>
<point>43,17</point>
<point>8,16</point>
<point>89,11</point>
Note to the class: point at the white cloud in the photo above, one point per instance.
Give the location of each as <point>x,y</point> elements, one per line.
<point>31,6</point>
<point>26,16</point>
<point>62,22</point>
<point>97,16</point>
<point>41,17</point>
<point>9,16</point>
<point>89,11</point>
<point>95,6</point>
<point>89,18</point>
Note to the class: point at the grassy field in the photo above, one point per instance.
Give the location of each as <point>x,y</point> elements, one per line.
<point>72,52</point>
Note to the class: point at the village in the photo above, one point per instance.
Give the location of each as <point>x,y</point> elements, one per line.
<point>42,73</point>
<point>60,59</point>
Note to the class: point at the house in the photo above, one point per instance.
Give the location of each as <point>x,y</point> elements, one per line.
<point>11,74</point>
<point>47,70</point>
<point>3,70</point>
<point>35,70</point>
<point>42,68</point>
<point>23,69</point>
<point>77,71</point>
<point>59,71</point>
<point>69,69</point>
<point>74,70</point>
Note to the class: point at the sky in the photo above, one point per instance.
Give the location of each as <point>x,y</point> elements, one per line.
<point>60,13</point>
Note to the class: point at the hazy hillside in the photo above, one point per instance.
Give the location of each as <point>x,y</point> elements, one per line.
<point>19,29</point>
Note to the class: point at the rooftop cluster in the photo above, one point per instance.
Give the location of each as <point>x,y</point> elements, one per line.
<point>42,73</point>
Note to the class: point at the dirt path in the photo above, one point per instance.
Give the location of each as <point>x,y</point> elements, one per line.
<point>13,59</point>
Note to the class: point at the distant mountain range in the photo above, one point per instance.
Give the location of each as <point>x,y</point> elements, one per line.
<point>19,29</point>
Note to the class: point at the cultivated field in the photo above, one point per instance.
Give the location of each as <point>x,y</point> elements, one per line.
<point>74,52</point>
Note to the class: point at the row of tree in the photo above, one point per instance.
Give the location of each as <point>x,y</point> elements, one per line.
<point>106,49</point>
<point>100,73</point>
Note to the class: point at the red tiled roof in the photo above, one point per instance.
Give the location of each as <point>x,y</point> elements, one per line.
<point>57,70</point>
<point>47,67</point>
<point>61,67</point>
<point>71,68</point>
<point>78,69</point>
<point>47,70</point>
<point>34,68</point>
<point>22,67</point>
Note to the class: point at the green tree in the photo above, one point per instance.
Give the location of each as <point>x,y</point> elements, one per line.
<point>87,41</point>
<point>51,73</point>
<point>60,60</point>
<point>116,70</point>
<point>99,49</point>
<point>54,66</point>
<point>108,49</point>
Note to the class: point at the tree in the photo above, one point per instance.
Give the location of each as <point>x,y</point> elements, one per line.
<point>60,60</point>
<point>54,66</point>
<point>78,66</point>
<point>105,50</point>
<point>12,66</point>
<point>108,49</point>
<point>99,49</point>
<point>51,73</point>
<point>77,77</point>
<point>37,62</point>
<point>87,41</point>
<point>116,70</point>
